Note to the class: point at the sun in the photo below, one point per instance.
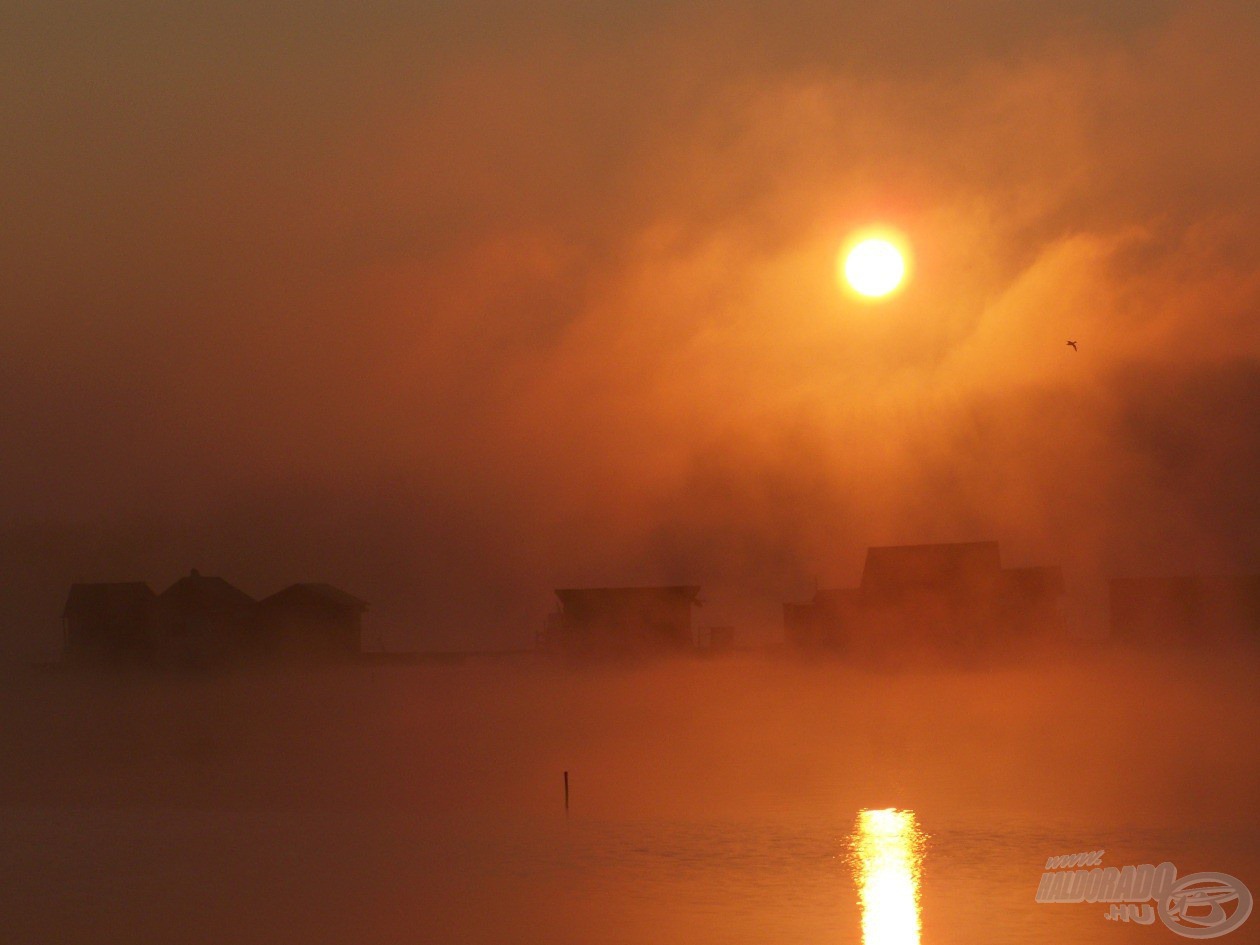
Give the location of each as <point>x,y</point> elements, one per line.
<point>874,266</point>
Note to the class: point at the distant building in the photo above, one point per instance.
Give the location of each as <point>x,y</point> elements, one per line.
<point>109,623</point>
<point>1185,610</point>
<point>939,599</point>
<point>623,620</point>
<point>205,621</point>
<point>313,620</point>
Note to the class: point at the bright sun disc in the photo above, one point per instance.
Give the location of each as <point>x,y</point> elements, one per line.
<point>874,267</point>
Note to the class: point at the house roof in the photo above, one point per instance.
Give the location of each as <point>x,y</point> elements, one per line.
<point>898,567</point>
<point>199,592</point>
<point>87,598</point>
<point>318,592</point>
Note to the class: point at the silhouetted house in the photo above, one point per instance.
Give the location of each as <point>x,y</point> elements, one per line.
<point>205,620</point>
<point>314,620</point>
<point>202,621</point>
<point>109,623</point>
<point>1186,610</point>
<point>623,619</point>
<point>948,598</point>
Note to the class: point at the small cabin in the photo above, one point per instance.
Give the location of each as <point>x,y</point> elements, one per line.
<point>205,620</point>
<point>624,619</point>
<point>313,620</point>
<point>932,599</point>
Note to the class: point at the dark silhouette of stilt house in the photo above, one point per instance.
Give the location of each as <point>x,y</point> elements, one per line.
<point>202,621</point>
<point>625,620</point>
<point>313,620</point>
<point>931,599</point>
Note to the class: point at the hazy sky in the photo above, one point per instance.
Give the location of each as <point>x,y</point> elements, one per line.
<point>450,304</point>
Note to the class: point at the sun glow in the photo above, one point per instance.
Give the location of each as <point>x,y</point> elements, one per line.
<point>887,861</point>
<point>874,266</point>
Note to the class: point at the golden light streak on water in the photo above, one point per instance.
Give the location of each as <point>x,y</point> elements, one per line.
<point>887,861</point>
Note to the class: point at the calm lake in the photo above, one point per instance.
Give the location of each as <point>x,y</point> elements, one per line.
<point>710,804</point>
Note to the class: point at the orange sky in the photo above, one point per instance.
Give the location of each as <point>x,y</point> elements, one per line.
<point>452,306</point>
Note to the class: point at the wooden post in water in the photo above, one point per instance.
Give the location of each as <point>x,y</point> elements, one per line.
<point>566,792</point>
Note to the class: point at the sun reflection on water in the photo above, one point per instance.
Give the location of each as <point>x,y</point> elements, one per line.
<point>887,857</point>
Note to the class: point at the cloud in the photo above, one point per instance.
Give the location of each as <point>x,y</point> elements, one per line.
<point>455,305</point>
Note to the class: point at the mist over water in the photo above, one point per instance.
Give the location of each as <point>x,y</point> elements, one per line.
<point>452,304</point>
<point>712,800</point>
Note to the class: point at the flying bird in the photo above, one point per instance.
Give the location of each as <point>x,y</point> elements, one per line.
<point>1073,344</point>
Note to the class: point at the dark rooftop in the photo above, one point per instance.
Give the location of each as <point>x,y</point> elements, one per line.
<point>318,591</point>
<point>901,566</point>
<point>196,591</point>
